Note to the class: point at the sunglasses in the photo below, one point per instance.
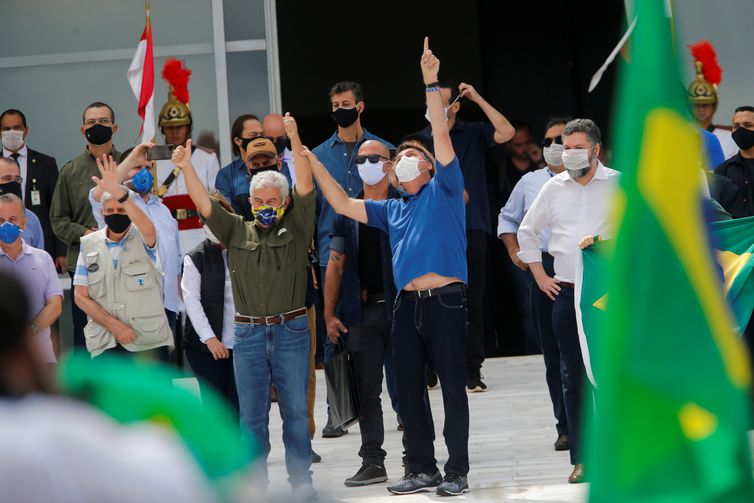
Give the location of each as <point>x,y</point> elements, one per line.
<point>549,141</point>
<point>373,158</point>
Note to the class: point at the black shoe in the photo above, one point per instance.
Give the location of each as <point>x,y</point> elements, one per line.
<point>415,483</point>
<point>400,424</point>
<point>316,458</point>
<point>453,485</point>
<point>367,474</point>
<point>561,444</point>
<point>329,431</point>
<point>431,377</point>
<point>474,383</point>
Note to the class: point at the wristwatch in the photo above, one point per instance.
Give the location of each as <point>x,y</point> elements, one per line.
<point>122,199</point>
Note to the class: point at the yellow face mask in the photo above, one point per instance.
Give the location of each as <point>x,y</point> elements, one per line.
<point>267,215</point>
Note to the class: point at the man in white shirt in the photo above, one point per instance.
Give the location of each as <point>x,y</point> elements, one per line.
<point>573,204</point>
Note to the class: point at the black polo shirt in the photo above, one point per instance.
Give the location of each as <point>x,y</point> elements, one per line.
<point>470,141</point>
<point>741,172</point>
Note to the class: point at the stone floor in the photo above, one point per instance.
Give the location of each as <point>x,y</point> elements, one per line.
<point>510,446</point>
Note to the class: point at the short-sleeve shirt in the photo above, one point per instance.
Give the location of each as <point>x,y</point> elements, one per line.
<point>428,229</point>
<point>34,269</point>
<point>470,142</point>
<point>81,276</point>
<point>267,266</point>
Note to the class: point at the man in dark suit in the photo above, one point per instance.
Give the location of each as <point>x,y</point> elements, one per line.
<point>39,173</point>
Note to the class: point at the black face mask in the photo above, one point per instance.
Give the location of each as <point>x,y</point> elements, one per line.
<point>344,117</point>
<point>256,171</point>
<point>282,143</point>
<point>744,138</point>
<point>99,134</point>
<point>11,188</point>
<point>117,222</point>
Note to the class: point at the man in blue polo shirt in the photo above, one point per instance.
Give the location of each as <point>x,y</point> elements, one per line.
<point>470,142</point>
<point>427,232</point>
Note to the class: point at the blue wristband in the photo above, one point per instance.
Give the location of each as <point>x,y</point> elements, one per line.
<point>431,89</point>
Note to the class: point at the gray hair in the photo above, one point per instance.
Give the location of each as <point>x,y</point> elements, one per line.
<point>13,198</point>
<point>269,180</point>
<point>586,126</point>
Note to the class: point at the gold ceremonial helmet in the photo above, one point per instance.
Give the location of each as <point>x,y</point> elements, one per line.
<point>175,113</point>
<point>701,91</point>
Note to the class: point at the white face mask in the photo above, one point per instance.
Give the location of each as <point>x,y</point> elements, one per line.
<point>576,161</point>
<point>426,114</point>
<point>13,140</point>
<point>407,168</point>
<point>553,154</point>
<point>211,236</point>
<point>371,173</point>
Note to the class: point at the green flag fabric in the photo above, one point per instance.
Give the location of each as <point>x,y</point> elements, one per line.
<point>734,241</point>
<point>130,390</point>
<point>672,410</point>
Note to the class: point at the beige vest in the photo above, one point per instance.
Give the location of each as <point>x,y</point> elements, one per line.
<point>132,293</point>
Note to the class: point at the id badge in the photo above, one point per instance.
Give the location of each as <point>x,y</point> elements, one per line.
<point>36,199</point>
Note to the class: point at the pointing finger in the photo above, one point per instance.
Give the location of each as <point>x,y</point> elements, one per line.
<point>426,44</point>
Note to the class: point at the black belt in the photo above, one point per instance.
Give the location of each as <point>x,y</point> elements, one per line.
<point>373,298</point>
<point>184,214</point>
<point>434,292</point>
<point>276,319</point>
<point>566,284</point>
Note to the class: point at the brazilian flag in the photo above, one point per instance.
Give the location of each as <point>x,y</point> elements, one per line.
<point>734,240</point>
<point>672,411</point>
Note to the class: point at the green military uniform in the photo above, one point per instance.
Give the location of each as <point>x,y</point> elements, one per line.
<point>267,266</point>
<point>70,213</point>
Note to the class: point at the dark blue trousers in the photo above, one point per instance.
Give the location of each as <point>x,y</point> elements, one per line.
<point>572,373</point>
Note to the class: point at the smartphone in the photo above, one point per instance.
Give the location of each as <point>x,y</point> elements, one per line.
<point>160,152</point>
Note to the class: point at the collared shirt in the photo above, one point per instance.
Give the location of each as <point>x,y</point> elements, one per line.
<point>333,153</point>
<point>571,211</point>
<point>81,277</point>
<point>191,284</point>
<point>726,141</point>
<point>168,242</point>
<point>71,214</point>
<point>233,180</point>
<point>470,141</point>
<point>520,201</point>
<point>428,229</point>
<point>34,269</point>
<point>741,172</point>
<point>33,234</point>
<point>205,164</point>
<point>22,159</point>
<point>268,267</point>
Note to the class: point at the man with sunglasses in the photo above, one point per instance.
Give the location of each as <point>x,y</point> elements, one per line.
<point>470,141</point>
<point>70,213</point>
<point>338,154</point>
<point>535,303</point>
<point>359,290</point>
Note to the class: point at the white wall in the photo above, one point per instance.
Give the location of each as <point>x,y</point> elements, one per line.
<point>728,25</point>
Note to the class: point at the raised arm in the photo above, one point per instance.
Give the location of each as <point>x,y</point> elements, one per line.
<point>334,193</point>
<point>430,67</point>
<point>304,183</point>
<point>504,131</point>
<point>109,183</point>
<point>195,186</point>
<point>137,158</point>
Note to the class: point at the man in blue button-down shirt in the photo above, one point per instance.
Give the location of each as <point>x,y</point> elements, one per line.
<point>470,142</point>
<point>538,306</point>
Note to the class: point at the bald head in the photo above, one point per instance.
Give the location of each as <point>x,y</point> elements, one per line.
<point>370,147</point>
<point>273,125</point>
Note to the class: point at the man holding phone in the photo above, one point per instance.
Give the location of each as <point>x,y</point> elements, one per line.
<point>176,123</point>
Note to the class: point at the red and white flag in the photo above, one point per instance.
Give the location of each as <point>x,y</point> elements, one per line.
<point>141,78</point>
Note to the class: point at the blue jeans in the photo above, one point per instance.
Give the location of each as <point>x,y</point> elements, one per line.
<point>279,355</point>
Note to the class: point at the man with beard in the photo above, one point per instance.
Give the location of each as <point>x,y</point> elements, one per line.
<point>572,205</point>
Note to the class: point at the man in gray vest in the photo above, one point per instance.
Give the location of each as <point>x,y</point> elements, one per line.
<point>118,281</point>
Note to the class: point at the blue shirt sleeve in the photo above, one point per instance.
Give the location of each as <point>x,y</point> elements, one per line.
<point>712,149</point>
<point>513,212</point>
<point>33,233</point>
<point>450,177</point>
<point>377,214</point>
<point>223,182</point>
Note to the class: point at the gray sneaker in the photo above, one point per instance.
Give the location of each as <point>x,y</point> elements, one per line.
<point>453,485</point>
<point>415,483</point>
<point>367,474</point>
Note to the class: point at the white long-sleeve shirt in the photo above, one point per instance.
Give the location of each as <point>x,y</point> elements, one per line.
<point>191,285</point>
<point>571,211</point>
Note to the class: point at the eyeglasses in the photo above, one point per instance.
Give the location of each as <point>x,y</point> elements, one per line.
<point>549,141</point>
<point>269,165</point>
<point>10,179</point>
<point>373,158</point>
<point>105,121</point>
